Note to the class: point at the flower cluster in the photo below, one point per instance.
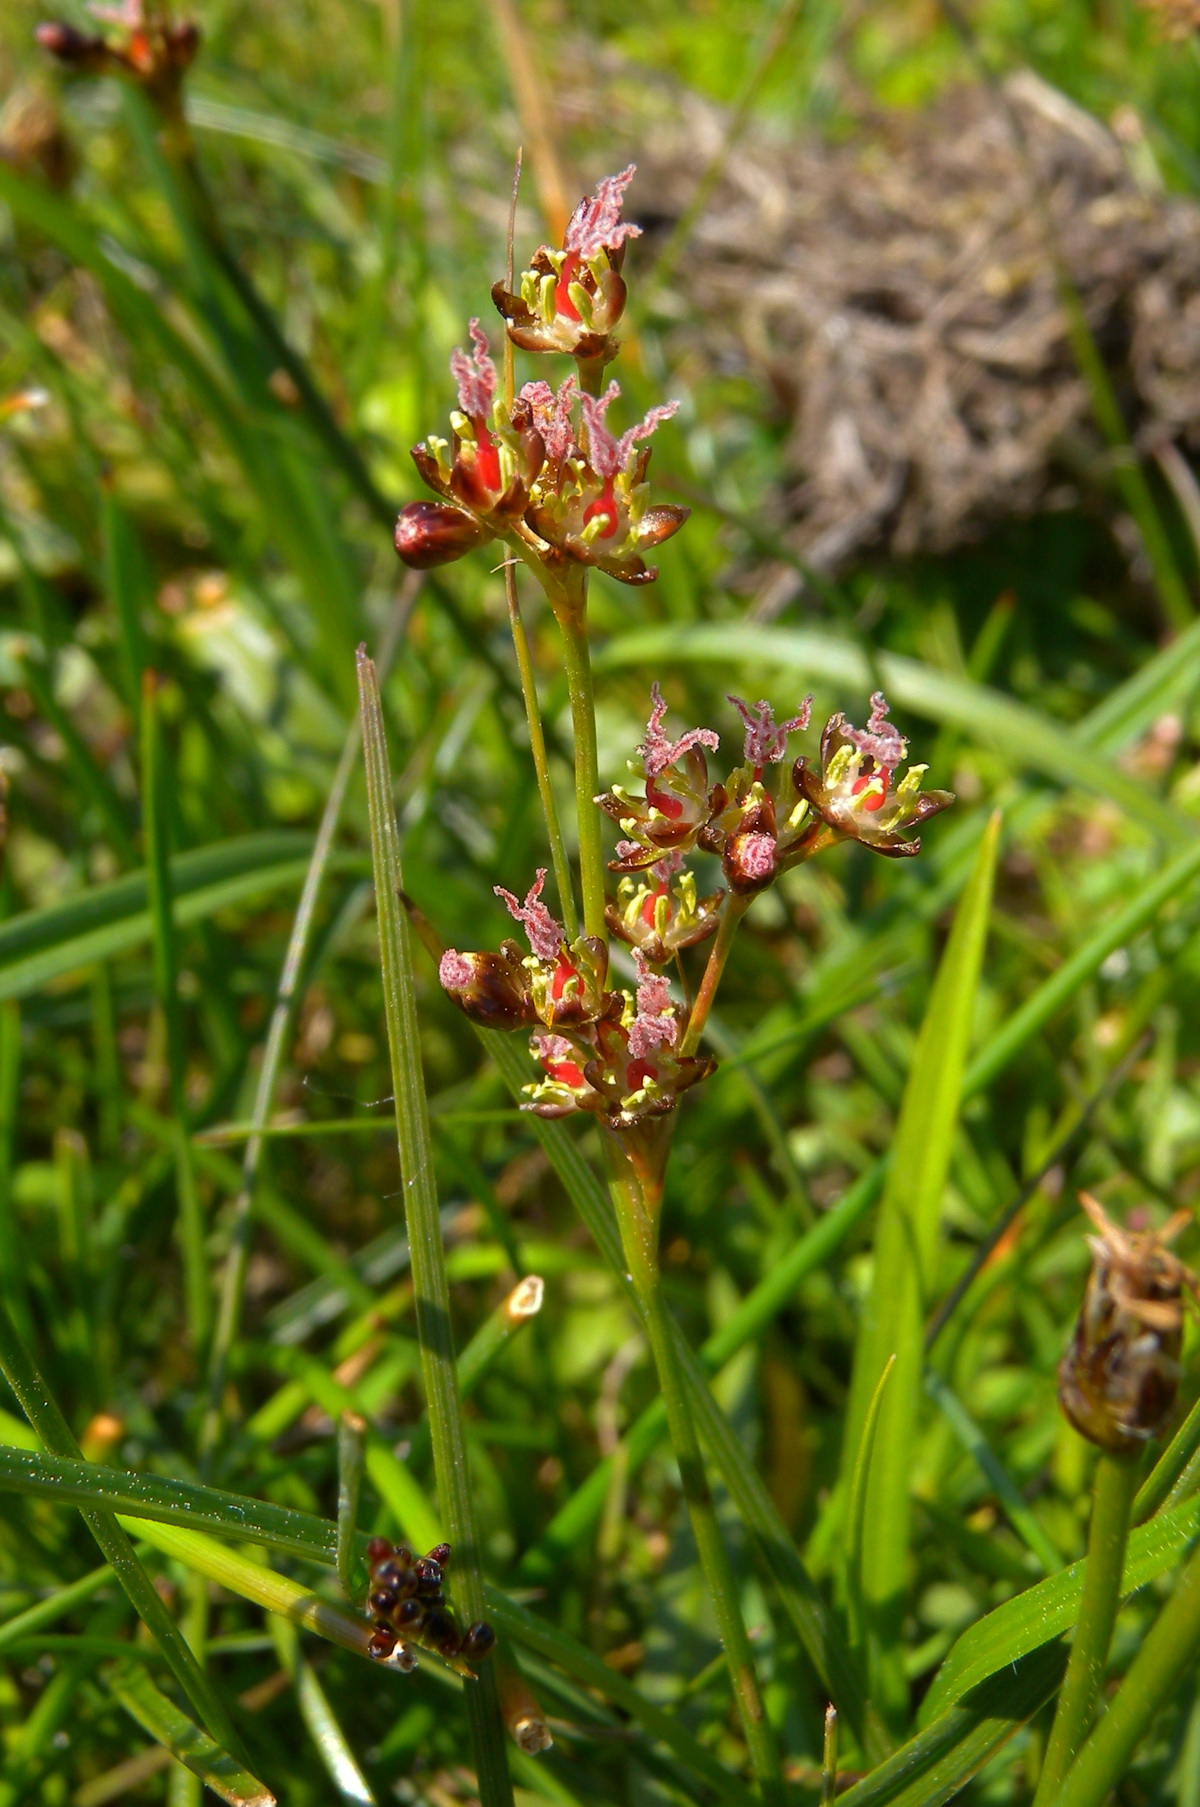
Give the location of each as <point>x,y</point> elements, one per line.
<point>758,830</point>
<point>618,1054</point>
<point>146,47</point>
<point>1118,1380</point>
<point>408,1606</point>
<point>609,1052</point>
<point>547,474</point>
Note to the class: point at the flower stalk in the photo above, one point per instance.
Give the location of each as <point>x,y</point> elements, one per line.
<point>636,1170</point>
<point>1112,1498</point>
<point>577,658</point>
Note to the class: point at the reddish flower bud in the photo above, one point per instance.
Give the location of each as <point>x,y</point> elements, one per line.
<point>492,989</point>
<point>77,49</point>
<point>750,861</point>
<point>435,533</point>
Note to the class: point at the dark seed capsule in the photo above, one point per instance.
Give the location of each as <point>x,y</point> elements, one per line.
<point>403,1554</point>
<point>381,1643</point>
<point>408,1613</point>
<point>395,1577</point>
<point>478,1641</point>
<point>440,1554</point>
<point>378,1550</point>
<point>441,1632</point>
<point>381,1602</point>
<point>429,1577</point>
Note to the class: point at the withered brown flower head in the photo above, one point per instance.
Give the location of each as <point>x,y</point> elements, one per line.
<point>1118,1379</point>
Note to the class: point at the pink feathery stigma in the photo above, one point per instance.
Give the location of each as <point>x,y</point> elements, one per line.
<point>643,430</point>
<point>766,742</point>
<point>475,375</point>
<point>130,14</point>
<point>455,972</point>
<point>545,935</point>
<point>657,752</point>
<point>880,740</point>
<point>665,869</point>
<point>596,224</point>
<point>552,415</point>
<point>654,1026</point>
<point>604,453</point>
<point>553,1047</point>
<point>756,855</point>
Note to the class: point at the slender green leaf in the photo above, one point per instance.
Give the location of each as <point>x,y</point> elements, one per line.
<point>426,1253</point>
<point>185,1741</point>
<point>1051,1607</point>
<point>902,1286</point>
<point>937,1764</point>
<point>46,944</point>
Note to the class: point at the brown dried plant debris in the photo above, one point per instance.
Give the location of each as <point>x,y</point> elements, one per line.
<point>897,294</point>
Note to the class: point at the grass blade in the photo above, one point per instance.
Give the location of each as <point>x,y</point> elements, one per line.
<point>1051,1607</point>
<point>937,1764</point>
<point>47,1420</point>
<point>166,985</point>
<point>905,1249</point>
<point>42,945</point>
<point>425,1235</point>
<point>168,1726</point>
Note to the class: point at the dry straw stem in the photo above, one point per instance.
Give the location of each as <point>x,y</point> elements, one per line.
<point>430,1284</point>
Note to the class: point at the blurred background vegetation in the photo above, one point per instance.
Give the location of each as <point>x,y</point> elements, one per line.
<point>171,499</point>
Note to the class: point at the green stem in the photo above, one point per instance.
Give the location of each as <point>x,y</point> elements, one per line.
<point>430,1285</point>
<point>573,622</point>
<point>43,1413</point>
<point>731,916</point>
<point>352,1449</point>
<point>166,984</point>
<point>537,745</point>
<point>637,1191</point>
<point>1167,1655</point>
<point>1112,1498</point>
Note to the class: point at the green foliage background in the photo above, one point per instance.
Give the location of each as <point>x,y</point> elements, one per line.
<point>172,504</point>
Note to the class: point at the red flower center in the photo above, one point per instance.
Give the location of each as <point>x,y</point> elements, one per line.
<point>565,1072</point>
<point>564,972</point>
<point>487,456</point>
<point>562,300</point>
<point>880,797</point>
<point>638,1072</point>
<point>605,504</point>
<point>671,807</point>
<point>649,905</point>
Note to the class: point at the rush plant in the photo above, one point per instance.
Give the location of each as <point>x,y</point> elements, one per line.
<point>668,1407</point>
